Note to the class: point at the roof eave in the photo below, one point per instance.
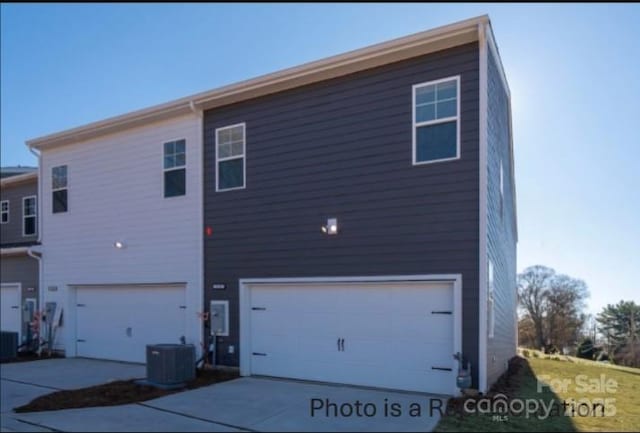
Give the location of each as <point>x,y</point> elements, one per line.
<point>19,178</point>
<point>365,58</point>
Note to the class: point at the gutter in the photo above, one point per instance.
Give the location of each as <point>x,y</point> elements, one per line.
<point>30,251</point>
<point>11,180</point>
<point>14,251</point>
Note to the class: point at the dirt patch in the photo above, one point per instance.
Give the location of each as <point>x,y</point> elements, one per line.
<point>118,392</point>
<point>30,356</point>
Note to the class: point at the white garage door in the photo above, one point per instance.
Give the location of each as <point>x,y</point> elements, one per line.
<point>117,322</point>
<point>10,308</point>
<point>389,335</point>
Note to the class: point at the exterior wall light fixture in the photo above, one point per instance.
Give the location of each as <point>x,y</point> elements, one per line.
<point>331,228</point>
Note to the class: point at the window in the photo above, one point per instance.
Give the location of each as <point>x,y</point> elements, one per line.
<point>175,160</point>
<point>29,218</point>
<point>4,211</point>
<point>436,121</point>
<point>230,157</point>
<point>490,301</point>
<point>59,189</point>
<point>501,190</point>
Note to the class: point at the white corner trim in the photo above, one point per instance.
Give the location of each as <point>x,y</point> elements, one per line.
<point>245,285</point>
<point>496,56</point>
<point>498,62</point>
<point>483,251</point>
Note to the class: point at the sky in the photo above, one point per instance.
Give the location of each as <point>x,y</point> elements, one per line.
<point>573,71</point>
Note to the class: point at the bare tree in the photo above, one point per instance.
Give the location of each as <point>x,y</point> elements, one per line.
<point>554,304</point>
<point>533,288</point>
<point>565,305</point>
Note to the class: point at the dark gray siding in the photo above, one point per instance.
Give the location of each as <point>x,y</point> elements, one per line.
<point>342,148</point>
<point>501,241</point>
<point>11,233</point>
<point>21,269</point>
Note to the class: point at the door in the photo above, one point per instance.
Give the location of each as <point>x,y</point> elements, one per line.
<point>118,322</point>
<point>10,297</point>
<point>388,335</point>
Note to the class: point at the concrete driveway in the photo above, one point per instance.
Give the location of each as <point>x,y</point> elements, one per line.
<point>21,382</point>
<point>246,404</point>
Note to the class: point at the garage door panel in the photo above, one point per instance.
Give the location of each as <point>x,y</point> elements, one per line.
<point>284,299</point>
<point>276,345</point>
<point>366,324</point>
<point>415,326</point>
<point>317,324</point>
<point>437,382</point>
<point>414,300</point>
<point>365,351</point>
<point>268,323</point>
<point>10,311</point>
<point>392,339</point>
<point>364,299</point>
<point>117,322</point>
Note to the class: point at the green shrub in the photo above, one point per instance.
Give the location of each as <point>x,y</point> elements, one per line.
<point>586,349</point>
<point>526,353</point>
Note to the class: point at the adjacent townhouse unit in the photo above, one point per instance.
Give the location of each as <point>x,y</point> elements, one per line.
<point>121,209</point>
<point>19,262</point>
<point>349,220</point>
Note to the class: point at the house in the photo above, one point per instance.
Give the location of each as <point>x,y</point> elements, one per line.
<point>19,263</point>
<point>354,221</point>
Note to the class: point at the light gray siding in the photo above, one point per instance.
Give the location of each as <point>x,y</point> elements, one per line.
<point>11,233</point>
<point>501,230</point>
<point>343,148</point>
<point>116,193</point>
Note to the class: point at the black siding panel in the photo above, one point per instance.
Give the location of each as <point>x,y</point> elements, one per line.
<point>342,148</point>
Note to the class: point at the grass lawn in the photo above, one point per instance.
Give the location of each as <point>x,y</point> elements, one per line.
<point>567,386</point>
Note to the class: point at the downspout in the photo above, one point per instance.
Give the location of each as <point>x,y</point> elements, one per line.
<point>207,346</point>
<point>195,110</point>
<point>30,251</point>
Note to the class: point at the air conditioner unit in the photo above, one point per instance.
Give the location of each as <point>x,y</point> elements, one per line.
<point>171,364</point>
<point>8,345</point>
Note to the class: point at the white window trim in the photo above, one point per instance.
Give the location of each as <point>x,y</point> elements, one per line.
<point>415,124</point>
<point>164,170</point>
<point>5,211</point>
<point>24,216</point>
<point>65,187</point>
<point>229,158</point>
